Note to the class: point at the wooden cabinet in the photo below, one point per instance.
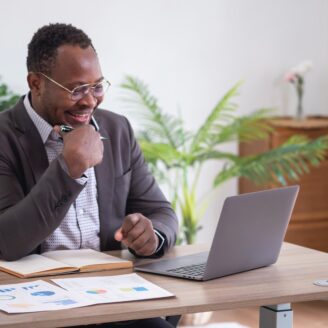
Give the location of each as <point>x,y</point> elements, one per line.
<point>309,222</point>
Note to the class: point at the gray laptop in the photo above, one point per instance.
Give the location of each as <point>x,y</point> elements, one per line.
<point>249,235</point>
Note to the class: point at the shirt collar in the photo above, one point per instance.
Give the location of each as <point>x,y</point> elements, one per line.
<point>42,125</point>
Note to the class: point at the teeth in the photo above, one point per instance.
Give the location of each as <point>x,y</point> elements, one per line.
<point>80,115</point>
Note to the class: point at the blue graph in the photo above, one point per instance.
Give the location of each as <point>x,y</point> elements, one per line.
<point>43,293</point>
<point>30,287</point>
<point>63,302</point>
<point>140,289</point>
<point>5,290</point>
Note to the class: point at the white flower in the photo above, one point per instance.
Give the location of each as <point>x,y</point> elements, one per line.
<point>302,68</point>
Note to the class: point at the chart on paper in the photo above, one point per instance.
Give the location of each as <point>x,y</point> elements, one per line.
<point>111,289</point>
<point>38,296</point>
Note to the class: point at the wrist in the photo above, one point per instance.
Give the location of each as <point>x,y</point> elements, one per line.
<point>74,168</point>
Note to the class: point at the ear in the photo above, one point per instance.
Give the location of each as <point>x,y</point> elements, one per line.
<point>35,83</point>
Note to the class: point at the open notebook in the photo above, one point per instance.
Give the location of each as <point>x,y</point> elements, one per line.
<point>64,261</point>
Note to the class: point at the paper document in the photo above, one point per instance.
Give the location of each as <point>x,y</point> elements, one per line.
<point>111,289</point>
<point>38,296</point>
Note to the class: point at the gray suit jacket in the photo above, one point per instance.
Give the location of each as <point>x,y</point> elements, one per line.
<point>35,196</point>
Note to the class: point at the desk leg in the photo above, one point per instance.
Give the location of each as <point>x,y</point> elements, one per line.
<point>276,316</point>
<point>173,319</point>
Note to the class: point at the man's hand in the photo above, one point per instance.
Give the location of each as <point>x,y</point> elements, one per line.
<point>82,149</point>
<point>138,234</point>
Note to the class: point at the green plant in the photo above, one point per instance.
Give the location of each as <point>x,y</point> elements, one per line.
<point>7,97</point>
<point>173,153</point>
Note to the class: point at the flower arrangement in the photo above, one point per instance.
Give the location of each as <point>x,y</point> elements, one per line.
<point>296,76</point>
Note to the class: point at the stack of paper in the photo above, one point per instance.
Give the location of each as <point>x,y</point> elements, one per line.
<point>42,296</point>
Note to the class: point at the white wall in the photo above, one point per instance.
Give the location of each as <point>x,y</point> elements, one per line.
<point>189,52</point>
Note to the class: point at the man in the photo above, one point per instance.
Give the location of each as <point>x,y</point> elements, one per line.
<point>81,189</point>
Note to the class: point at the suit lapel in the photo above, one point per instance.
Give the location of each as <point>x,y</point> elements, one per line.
<point>30,141</point>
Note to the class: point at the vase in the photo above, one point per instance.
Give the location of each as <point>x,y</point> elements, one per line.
<point>299,91</point>
<point>300,113</point>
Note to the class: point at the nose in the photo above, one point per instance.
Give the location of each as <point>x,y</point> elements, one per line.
<point>88,101</point>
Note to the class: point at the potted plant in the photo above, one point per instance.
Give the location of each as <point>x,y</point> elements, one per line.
<point>7,97</point>
<point>176,156</point>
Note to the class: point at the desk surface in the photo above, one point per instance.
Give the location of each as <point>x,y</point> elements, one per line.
<point>289,280</point>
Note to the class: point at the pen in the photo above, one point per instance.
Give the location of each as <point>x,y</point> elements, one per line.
<point>67,128</point>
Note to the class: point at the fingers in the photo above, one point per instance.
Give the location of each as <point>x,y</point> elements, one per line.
<point>119,234</point>
<point>82,149</point>
<point>57,129</point>
<point>62,130</point>
<point>138,234</point>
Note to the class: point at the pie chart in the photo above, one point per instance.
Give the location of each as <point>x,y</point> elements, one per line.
<point>96,291</point>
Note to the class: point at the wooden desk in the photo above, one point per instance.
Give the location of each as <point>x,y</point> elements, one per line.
<point>289,280</point>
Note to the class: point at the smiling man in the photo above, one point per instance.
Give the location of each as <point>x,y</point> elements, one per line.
<point>88,188</point>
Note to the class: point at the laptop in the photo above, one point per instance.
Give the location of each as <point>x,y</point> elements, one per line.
<point>249,235</point>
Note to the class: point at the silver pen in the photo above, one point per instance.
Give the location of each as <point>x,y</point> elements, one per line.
<point>66,128</point>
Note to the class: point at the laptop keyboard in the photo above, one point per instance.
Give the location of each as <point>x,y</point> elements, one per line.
<point>194,270</point>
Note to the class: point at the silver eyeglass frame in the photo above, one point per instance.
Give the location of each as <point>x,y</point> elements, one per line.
<point>90,87</point>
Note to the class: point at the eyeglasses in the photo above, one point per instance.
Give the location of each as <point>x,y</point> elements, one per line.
<point>97,89</point>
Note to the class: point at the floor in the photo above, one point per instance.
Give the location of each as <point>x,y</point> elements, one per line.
<point>306,315</point>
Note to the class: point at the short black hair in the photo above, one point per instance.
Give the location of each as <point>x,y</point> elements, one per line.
<point>42,50</point>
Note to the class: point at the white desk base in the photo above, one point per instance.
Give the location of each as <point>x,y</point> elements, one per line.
<point>276,316</point>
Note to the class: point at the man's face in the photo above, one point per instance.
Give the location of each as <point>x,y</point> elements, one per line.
<point>73,67</point>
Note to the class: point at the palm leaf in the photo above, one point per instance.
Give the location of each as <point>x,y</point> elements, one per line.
<point>220,114</point>
<point>244,129</point>
<point>153,152</point>
<point>288,161</point>
<point>7,97</point>
<point>162,127</point>
<point>204,155</point>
